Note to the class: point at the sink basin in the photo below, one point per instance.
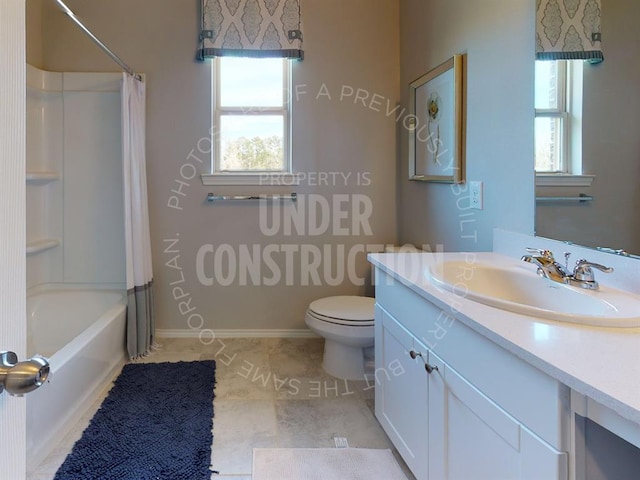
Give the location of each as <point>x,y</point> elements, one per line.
<point>517,288</point>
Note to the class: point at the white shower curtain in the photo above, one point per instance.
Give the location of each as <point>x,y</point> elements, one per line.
<point>140,309</point>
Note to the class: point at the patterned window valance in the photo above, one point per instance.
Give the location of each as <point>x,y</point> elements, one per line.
<point>569,30</point>
<point>251,28</point>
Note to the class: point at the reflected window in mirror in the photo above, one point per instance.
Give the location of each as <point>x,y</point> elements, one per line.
<point>558,122</point>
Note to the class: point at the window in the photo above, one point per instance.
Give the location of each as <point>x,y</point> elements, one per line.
<point>251,117</point>
<point>558,103</point>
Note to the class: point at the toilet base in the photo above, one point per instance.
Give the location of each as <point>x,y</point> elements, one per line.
<point>343,361</point>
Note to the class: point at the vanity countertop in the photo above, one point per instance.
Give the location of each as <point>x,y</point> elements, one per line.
<point>601,363</point>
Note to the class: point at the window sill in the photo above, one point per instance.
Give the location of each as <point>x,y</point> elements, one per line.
<point>250,179</point>
<point>563,180</point>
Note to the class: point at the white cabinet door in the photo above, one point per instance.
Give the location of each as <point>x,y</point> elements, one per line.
<point>470,437</point>
<point>402,393</point>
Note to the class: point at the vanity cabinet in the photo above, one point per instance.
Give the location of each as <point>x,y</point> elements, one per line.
<point>457,406</point>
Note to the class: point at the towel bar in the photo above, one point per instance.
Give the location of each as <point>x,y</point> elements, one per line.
<point>214,198</point>
<point>580,198</point>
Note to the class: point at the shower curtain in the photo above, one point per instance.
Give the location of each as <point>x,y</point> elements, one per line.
<point>140,309</point>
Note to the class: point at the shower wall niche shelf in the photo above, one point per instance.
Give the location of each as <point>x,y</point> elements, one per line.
<point>34,177</point>
<point>42,245</point>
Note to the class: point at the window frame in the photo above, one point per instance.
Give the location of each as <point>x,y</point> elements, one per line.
<point>561,112</point>
<point>217,176</point>
<point>573,176</point>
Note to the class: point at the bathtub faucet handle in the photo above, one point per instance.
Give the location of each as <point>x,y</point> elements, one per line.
<point>18,378</point>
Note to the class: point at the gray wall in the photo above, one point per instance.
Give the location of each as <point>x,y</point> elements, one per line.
<point>351,44</point>
<point>498,38</point>
<point>34,10</point>
<point>610,144</point>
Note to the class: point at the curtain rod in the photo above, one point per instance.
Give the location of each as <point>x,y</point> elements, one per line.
<point>97,41</point>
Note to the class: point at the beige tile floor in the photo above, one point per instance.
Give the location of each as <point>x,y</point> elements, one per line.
<point>269,393</point>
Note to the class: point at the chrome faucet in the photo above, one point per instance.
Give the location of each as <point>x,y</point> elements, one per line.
<point>582,275</point>
<point>547,265</point>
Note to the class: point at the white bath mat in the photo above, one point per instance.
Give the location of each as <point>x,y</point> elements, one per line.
<point>325,464</point>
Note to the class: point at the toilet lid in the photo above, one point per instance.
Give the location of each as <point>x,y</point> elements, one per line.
<point>352,308</point>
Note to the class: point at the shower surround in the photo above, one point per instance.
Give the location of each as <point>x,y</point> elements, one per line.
<point>75,244</point>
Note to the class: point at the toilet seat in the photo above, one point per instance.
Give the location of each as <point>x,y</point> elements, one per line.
<point>346,310</point>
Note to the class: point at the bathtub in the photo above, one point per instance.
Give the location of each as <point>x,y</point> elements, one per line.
<point>82,333</point>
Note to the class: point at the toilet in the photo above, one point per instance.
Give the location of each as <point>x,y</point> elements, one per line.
<point>346,323</point>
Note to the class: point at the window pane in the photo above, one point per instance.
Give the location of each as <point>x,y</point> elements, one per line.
<point>546,84</point>
<point>548,144</point>
<point>255,82</point>
<point>252,142</point>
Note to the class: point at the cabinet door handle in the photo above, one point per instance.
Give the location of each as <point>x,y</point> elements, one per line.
<point>429,368</point>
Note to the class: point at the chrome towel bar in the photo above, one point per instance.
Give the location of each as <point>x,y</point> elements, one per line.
<point>579,198</point>
<point>214,198</point>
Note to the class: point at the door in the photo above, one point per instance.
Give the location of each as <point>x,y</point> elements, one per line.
<point>12,227</point>
<point>402,393</point>
<point>472,437</point>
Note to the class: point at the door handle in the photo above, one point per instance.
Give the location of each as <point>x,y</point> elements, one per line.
<point>18,378</point>
<point>428,367</point>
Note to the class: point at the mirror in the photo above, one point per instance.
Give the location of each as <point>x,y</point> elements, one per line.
<point>610,145</point>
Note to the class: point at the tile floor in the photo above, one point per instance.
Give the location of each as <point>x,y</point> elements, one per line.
<point>269,393</point>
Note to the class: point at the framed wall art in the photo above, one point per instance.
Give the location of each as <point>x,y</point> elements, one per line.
<point>437,124</point>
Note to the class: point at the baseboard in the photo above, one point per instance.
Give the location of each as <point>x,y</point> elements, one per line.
<point>236,333</point>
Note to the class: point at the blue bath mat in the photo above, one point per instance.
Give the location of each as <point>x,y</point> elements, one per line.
<point>155,424</point>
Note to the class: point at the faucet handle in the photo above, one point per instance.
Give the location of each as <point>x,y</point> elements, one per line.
<point>548,254</point>
<point>583,270</point>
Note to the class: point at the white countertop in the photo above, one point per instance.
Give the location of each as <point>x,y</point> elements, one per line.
<point>601,363</point>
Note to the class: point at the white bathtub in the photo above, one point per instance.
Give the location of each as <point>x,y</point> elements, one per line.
<point>82,333</point>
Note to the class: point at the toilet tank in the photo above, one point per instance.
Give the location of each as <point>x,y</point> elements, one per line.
<point>406,248</point>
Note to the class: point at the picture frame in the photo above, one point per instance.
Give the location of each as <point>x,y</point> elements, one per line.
<point>437,124</point>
